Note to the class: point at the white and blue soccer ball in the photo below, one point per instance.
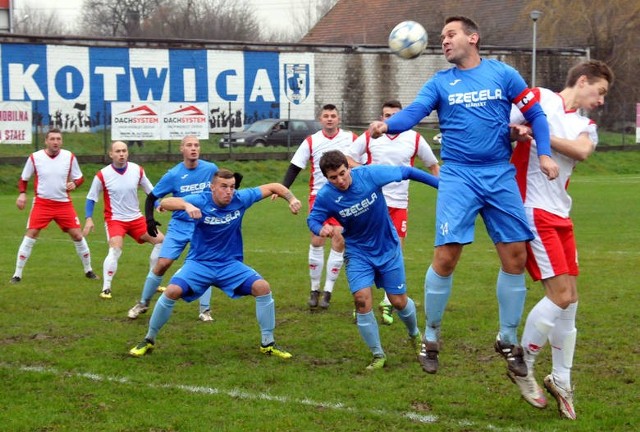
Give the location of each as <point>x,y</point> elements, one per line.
<point>408,39</point>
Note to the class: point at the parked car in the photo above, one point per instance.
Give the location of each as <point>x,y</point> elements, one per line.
<point>271,132</point>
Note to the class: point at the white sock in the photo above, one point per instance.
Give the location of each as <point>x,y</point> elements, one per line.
<point>334,264</point>
<point>316,264</point>
<point>82,249</point>
<point>155,254</point>
<point>24,252</point>
<point>540,322</point>
<point>563,342</point>
<point>110,267</point>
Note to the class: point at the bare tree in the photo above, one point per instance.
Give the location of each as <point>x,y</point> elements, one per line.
<point>117,17</point>
<point>31,21</point>
<point>303,19</point>
<point>204,19</point>
<point>612,34</point>
<point>186,19</point>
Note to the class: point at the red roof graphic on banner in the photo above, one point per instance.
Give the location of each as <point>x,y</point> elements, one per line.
<point>141,110</point>
<point>188,110</point>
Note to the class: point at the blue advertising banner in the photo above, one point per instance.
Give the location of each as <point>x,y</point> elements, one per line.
<point>72,87</point>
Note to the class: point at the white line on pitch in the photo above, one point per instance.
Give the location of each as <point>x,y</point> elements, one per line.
<point>242,394</point>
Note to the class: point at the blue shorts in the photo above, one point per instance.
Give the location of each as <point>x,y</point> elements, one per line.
<point>176,239</point>
<point>363,273</point>
<point>489,190</point>
<point>233,277</point>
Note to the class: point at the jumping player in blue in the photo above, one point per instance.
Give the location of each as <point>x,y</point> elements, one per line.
<point>473,100</point>
<point>373,253</point>
<point>216,256</point>
<point>189,177</point>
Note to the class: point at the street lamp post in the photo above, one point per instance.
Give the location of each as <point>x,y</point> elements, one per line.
<point>535,16</point>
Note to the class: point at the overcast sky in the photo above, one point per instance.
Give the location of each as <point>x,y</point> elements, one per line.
<point>274,12</point>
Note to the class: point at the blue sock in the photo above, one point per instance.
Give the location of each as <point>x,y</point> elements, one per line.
<point>161,313</point>
<point>205,300</point>
<point>512,293</point>
<point>408,317</point>
<point>266,315</point>
<point>368,328</point>
<point>437,290</point>
<point>151,284</point>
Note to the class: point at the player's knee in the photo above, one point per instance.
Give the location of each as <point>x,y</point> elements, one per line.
<point>260,287</point>
<point>174,292</point>
<point>362,301</point>
<point>562,297</point>
<point>399,302</point>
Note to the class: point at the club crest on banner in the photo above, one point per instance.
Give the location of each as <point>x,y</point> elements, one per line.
<point>296,82</point>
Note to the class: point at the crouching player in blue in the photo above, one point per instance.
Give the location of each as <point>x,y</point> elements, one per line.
<point>373,253</point>
<point>216,256</point>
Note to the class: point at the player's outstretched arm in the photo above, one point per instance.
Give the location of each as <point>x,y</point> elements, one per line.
<point>175,203</point>
<point>416,174</point>
<point>283,192</point>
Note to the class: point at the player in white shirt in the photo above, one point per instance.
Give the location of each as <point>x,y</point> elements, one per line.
<point>119,182</point>
<point>57,173</point>
<point>399,150</point>
<point>552,256</point>
<point>331,137</point>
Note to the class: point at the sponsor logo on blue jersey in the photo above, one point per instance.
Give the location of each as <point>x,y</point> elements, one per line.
<point>226,219</point>
<point>194,188</point>
<point>359,208</point>
<point>475,98</point>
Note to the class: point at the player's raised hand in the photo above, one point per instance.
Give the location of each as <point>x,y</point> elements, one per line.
<point>193,211</point>
<point>377,128</point>
<point>295,205</point>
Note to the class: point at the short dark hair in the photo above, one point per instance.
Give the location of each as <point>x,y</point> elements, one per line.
<point>393,103</point>
<point>329,107</point>
<point>223,173</point>
<point>53,130</point>
<point>469,26</point>
<point>333,160</point>
<point>592,69</point>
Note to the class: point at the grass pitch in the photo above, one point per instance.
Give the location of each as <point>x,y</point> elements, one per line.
<point>63,350</point>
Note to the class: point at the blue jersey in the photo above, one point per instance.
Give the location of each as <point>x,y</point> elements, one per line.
<point>474,108</point>
<point>217,235</point>
<point>362,212</point>
<point>182,181</point>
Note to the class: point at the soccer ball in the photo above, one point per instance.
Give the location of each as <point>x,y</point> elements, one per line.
<point>408,39</point>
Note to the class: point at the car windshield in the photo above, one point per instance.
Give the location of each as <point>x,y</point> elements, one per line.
<point>260,126</point>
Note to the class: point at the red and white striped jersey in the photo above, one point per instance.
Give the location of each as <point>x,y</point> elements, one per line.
<point>537,191</point>
<point>120,191</point>
<point>312,149</point>
<point>398,150</point>
<point>52,174</point>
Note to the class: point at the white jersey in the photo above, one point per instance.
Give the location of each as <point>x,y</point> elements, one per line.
<point>52,174</point>
<point>537,191</point>
<point>312,149</point>
<point>398,150</point>
<point>120,191</point>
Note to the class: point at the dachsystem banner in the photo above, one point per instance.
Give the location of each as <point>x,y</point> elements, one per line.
<point>73,87</point>
<point>148,121</point>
